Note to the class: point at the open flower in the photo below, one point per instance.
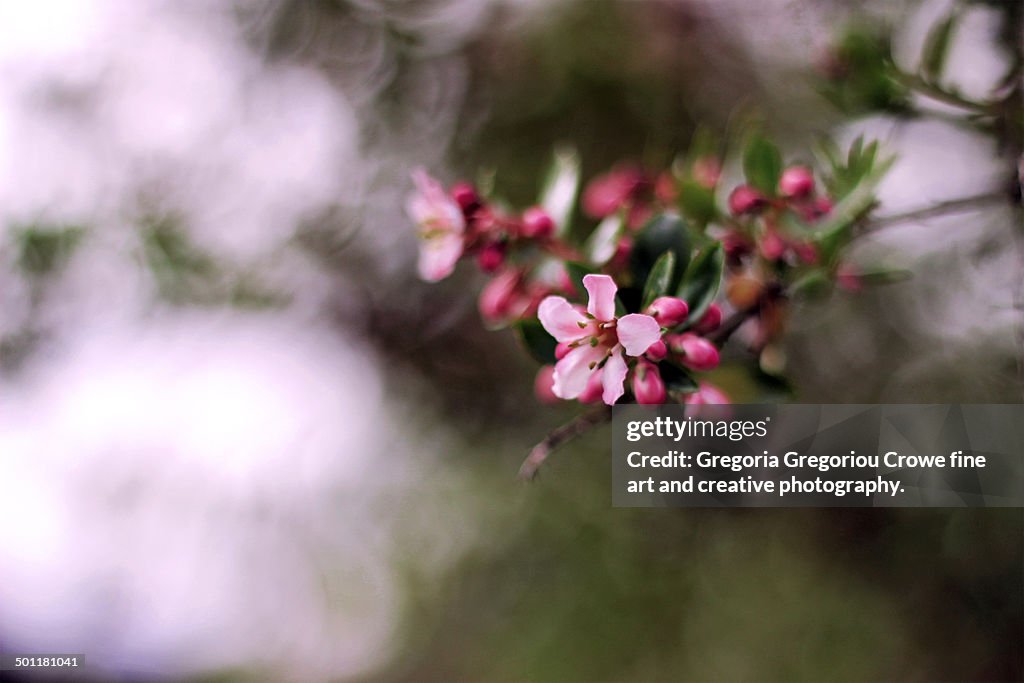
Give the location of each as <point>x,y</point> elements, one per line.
<point>441,226</point>
<point>598,340</point>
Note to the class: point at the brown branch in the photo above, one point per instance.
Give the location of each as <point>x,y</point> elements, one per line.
<point>942,208</point>
<point>580,424</point>
<point>730,325</point>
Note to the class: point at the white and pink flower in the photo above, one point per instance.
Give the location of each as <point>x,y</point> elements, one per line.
<point>441,227</point>
<point>598,341</point>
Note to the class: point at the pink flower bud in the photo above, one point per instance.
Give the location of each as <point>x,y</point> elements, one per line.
<point>707,394</point>
<point>796,181</point>
<point>561,349</point>
<point>806,252</point>
<point>465,196</point>
<point>848,278</point>
<point>491,257</point>
<point>707,171</point>
<point>665,188</point>
<point>657,351</point>
<point>669,311</point>
<point>745,200</point>
<point>607,193</point>
<point>772,246</point>
<point>710,321</point>
<point>542,385</point>
<point>694,352</point>
<point>537,224</point>
<point>648,386</point>
<point>594,390</point>
<point>823,205</point>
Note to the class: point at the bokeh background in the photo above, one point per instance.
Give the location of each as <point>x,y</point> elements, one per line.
<point>239,440</point>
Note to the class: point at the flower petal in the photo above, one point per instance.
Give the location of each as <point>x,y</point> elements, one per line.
<point>637,332</point>
<point>573,371</point>
<point>613,378</point>
<point>602,296</point>
<point>438,256</point>
<point>561,320</point>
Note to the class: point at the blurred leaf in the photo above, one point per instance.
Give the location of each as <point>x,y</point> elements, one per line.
<point>697,201</point>
<point>936,47</point>
<point>884,276</point>
<point>659,279</point>
<point>42,250</point>
<point>603,242</point>
<point>702,280</point>
<point>812,283</point>
<point>762,164</point>
<point>558,194</point>
<point>861,72</point>
<point>536,340</point>
<point>664,232</point>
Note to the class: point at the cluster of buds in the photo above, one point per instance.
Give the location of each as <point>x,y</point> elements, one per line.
<point>599,353</point>
<point>759,219</point>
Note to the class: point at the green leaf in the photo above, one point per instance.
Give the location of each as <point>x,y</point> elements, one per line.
<point>697,201</point>
<point>558,194</point>
<point>577,271</point>
<point>936,47</point>
<point>885,276</point>
<point>536,340</point>
<point>44,249</point>
<point>664,232</point>
<point>702,280</point>
<point>762,164</point>
<point>678,381</point>
<point>810,284</point>
<point>660,278</point>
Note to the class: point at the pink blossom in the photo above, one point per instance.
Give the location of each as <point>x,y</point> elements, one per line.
<point>599,340</point>
<point>441,226</point>
<point>606,194</point>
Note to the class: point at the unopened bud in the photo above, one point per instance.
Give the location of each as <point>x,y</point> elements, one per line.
<point>537,224</point>
<point>648,386</point>
<point>848,277</point>
<point>707,171</point>
<point>657,351</point>
<point>491,257</point>
<point>710,321</point>
<point>796,181</point>
<point>772,246</point>
<point>694,352</point>
<point>465,196</point>
<point>745,200</point>
<point>669,311</point>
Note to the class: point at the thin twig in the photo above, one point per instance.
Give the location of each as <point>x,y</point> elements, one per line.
<point>730,325</point>
<point>952,206</point>
<point>580,424</point>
